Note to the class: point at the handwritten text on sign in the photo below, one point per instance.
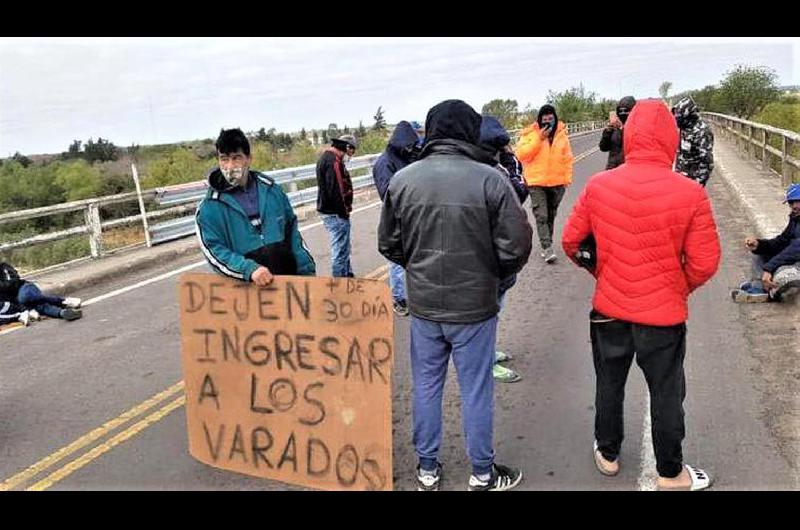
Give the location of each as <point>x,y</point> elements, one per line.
<point>291,381</point>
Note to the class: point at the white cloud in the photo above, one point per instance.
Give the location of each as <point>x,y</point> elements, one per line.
<point>53,90</point>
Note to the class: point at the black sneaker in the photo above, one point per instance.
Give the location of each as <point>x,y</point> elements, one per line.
<point>503,478</point>
<point>401,308</point>
<point>70,314</point>
<point>427,481</point>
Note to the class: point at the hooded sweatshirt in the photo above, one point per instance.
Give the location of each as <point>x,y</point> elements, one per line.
<point>399,153</point>
<point>654,229</point>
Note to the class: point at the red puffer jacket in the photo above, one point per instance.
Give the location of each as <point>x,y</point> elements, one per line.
<point>656,236</point>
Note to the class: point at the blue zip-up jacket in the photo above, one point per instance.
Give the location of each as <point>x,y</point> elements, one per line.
<point>235,246</point>
<point>783,249</point>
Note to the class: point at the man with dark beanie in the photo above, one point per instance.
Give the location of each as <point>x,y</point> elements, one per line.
<point>456,226</point>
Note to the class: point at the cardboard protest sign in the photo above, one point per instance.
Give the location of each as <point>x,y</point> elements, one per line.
<point>291,381</point>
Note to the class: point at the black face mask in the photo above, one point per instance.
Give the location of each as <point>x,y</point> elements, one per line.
<point>622,114</point>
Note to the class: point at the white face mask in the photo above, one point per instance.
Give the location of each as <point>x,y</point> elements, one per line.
<point>234,175</point>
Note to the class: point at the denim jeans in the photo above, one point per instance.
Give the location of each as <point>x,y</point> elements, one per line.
<point>472,348</point>
<point>339,235</point>
<point>32,298</point>
<point>397,281</point>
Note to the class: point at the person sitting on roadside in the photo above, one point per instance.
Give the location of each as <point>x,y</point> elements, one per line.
<point>776,261</point>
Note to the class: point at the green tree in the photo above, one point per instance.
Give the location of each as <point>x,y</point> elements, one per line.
<point>527,116</point>
<point>303,134</point>
<point>180,166</point>
<point>100,151</point>
<point>23,160</point>
<point>333,131</point>
<point>373,142</point>
<point>325,137</point>
<point>505,110</point>
<point>746,90</point>
<point>784,114</point>
<point>663,90</point>
<point>315,136</point>
<point>380,121</point>
<point>574,105</point>
<point>79,179</point>
<point>263,156</point>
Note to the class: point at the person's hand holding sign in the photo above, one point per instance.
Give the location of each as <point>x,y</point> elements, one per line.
<point>262,277</point>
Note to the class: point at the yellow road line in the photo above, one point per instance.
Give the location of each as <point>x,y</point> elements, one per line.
<point>585,154</point>
<point>101,431</point>
<point>88,438</point>
<point>104,447</point>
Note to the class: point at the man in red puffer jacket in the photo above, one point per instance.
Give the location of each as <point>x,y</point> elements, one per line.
<point>656,242</point>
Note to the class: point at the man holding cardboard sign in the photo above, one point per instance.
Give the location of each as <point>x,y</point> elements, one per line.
<point>246,226</point>
<point>291,381</point>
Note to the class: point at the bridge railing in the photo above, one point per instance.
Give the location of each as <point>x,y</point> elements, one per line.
<point>777,149</point>
<point>177,204</point>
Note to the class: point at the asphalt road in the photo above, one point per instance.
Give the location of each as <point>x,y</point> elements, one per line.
<point>60,382</point>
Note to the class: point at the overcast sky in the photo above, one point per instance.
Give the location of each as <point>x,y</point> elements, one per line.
<point>160,90</point>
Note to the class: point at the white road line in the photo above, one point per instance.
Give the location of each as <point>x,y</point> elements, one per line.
<point>648,473</point>
<point>166,275</point>
<point>141,284</point>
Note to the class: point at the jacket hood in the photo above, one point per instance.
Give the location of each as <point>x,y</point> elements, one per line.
<point>493,134</point>
<point>453,119</point>
<point>651,134</point>
<point>403,138</point>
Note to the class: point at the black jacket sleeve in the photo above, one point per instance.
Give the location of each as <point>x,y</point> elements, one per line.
<point>606,139</point>
<point>788,256</point>
<point>770,247</point>
<point>331,200</point>
<point>390,242</point>
<point>512,234</point>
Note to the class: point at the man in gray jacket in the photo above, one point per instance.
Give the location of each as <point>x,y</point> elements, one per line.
<point>456,226</point>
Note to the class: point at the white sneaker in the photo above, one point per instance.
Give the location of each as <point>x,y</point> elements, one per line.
<point>74,303</point>
<point>25,318</point>
<point>34,314</point>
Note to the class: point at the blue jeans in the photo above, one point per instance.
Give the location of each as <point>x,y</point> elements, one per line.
<point>32,298</point>
<point>397,281</point>
<point>505,285</point>
<point>472,348</point>
<point>339,235</point>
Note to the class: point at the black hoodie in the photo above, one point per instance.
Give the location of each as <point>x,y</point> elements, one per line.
<point>453,222</point>
<point>398,154</point>
<point>494,138</point>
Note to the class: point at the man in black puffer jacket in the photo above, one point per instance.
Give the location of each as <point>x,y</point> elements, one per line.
<point>456,226</point>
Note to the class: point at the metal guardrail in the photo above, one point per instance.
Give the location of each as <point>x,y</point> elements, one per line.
<point>759,148</point>
<point>184,226</point>
<point>183,198</point>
